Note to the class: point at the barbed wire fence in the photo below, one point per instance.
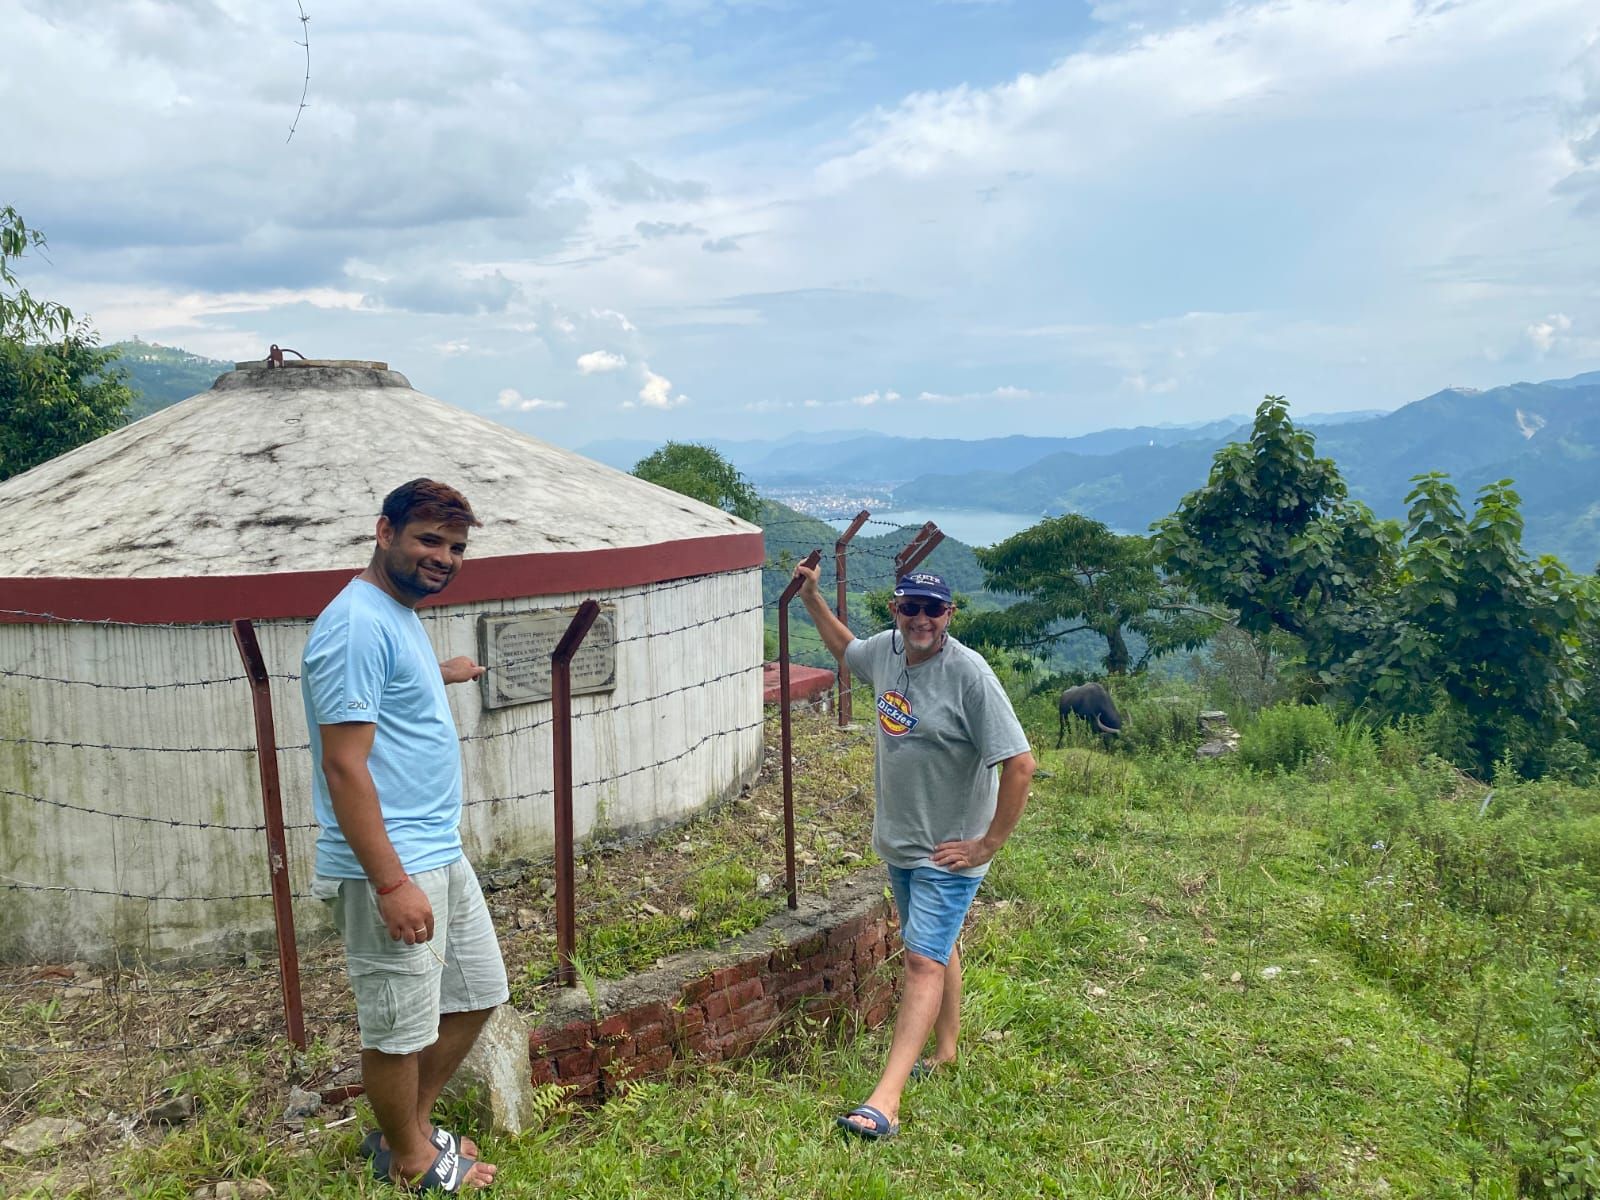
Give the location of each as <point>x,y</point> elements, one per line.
<point>141,1005</point>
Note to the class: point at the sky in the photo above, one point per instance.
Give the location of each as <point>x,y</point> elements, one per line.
<point>682,219</point>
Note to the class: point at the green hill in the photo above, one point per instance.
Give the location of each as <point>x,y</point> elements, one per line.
<point>164,375</point>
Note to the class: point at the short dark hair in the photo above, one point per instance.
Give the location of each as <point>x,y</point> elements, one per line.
<point>427,500</point>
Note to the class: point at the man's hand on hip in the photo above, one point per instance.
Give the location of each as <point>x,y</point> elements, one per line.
<point>958,856</point>
<point>407,913</point>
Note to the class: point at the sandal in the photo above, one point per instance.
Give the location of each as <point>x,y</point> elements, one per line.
<point>447,1174</point>
<point>880,1130</point>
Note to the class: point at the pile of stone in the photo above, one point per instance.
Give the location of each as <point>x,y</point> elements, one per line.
<point>1219,736</point>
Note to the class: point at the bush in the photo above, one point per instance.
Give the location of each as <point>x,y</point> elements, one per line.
<point>1287,736</point>
<point>1157,724</point>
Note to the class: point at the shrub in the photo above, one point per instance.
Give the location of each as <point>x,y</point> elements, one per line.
<point>1158,724</point>
<point>1287,736</point>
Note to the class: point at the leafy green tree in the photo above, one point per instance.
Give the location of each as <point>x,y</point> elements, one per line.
<point>1274,536</point>
<point>57,387</point>
<point>1452,617</point>
<point>1502,636</point>
<point>1072,573</point>
<point>700,473</point>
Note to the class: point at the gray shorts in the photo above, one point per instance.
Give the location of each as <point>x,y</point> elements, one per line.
<point>402,990</point>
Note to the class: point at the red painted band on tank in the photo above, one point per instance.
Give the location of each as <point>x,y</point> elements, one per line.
<point>197,598</point>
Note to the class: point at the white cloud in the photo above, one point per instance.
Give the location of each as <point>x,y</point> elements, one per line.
<point>651,230</point>
<point>993,395</point>
<point>514,401</point>
<point>1140,382</point>
<point>1544,334</point>
<point>1197,202</point>
<point>600,362</point>
<point>657,391</point>
<point>611,314</point>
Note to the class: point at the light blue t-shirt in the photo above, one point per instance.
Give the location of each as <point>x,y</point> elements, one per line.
<point>368,660</point>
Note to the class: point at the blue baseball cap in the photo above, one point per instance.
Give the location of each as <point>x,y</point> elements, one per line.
<point>923,583</point>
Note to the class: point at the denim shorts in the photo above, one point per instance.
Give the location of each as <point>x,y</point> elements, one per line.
<point>932,906</point>
<point>401,990</point>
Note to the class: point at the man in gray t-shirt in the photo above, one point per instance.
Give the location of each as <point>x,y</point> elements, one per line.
<point>944,724</point>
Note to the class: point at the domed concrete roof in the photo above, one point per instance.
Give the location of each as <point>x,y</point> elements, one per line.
<point>281,472</point>
<point>285,470</point>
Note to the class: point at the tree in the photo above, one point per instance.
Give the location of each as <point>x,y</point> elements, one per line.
<point>1501,635</point>
<point>700,473</point>
<point>1451,615</point>
<point>57,387</point>
<point>1072,574</point>
<point>1274,537</point>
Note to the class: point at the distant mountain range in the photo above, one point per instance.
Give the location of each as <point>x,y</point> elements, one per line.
<point>879,458</point>
<point>1545,436</point>
<point>855,456</point>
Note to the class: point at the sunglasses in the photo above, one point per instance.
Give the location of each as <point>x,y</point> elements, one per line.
<point>934,608</point>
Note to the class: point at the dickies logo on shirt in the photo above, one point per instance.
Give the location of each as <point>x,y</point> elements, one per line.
<point>894,714</point>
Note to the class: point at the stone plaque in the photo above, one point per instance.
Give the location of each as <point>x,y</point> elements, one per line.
<point>516,649</point>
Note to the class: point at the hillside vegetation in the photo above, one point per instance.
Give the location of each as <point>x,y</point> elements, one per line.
<point>162,375</point>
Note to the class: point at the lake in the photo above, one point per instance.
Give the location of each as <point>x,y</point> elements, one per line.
<point>975,526</point>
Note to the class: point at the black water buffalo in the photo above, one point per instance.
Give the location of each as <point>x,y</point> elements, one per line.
<point>1091,702</point>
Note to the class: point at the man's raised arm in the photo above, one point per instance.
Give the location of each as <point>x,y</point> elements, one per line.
<point>835,633</point>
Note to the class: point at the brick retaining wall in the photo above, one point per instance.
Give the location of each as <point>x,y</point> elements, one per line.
<point>829,958</point>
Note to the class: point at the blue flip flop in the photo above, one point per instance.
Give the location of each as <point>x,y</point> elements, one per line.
<point>880,1130</point>
<point>921,1069</point>
<point>374,1151</point>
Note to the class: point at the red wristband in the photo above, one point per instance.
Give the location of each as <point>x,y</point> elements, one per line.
<point>395,886</point>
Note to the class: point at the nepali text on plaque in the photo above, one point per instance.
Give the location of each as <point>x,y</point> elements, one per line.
<point>516,649</point>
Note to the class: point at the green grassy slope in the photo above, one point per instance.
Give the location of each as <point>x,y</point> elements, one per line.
<point>1183,980</point>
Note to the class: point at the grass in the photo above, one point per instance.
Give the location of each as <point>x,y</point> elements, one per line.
<point>1183,980</point>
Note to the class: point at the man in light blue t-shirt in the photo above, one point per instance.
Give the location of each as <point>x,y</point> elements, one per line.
<point>944,724</point>
<point>421,950</point>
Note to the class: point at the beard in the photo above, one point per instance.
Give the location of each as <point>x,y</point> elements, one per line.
<point>408,576</point>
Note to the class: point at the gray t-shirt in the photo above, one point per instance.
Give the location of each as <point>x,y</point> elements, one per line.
<point>942,726</point>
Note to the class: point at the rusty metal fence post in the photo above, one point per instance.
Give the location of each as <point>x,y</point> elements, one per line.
<point>924,543</point>
<point>294,1019</point>
<point>843,705</point>
<point>561,765</point>
<point>790,876</point>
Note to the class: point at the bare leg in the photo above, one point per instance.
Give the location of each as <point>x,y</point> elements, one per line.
<point>390,1082</point>
<point>438,1062</point>
<point>948,1025</point>
<point>919,1008</point>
